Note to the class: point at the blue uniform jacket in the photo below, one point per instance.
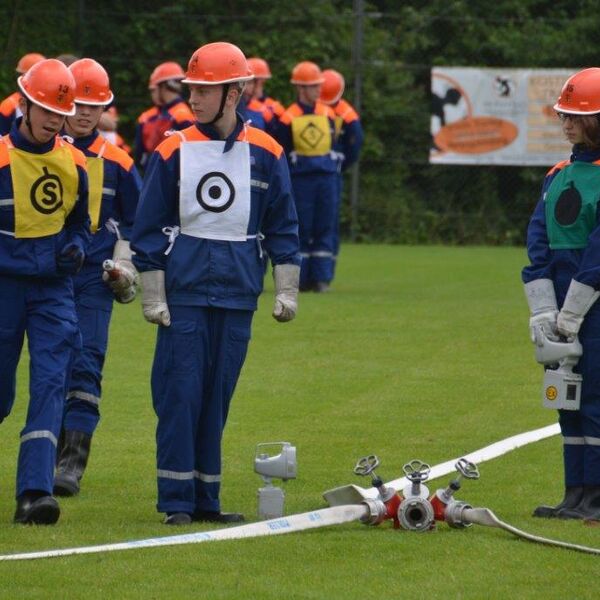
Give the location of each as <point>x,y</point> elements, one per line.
<point>36,257</point>
<point>120,194</point>
<point>562,265</point>
<point>206,272</point>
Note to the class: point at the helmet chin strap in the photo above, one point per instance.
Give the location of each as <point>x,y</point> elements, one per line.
<point>222,105</point>
<point>26,118</point>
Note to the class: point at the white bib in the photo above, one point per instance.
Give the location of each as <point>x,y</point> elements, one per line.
<point>214,192</point>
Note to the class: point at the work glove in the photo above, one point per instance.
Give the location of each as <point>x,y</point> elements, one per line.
<point>286,278</point>
<point>70,259</point>
<point>578,301</point>
<point>541,299</point>
<point>154,298</point>
<point>120,273</point>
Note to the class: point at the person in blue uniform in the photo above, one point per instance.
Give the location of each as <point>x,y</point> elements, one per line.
<point>169,112</point>
<point>114,187</point>
<point>44,233</point>
<point>9,107</point>
<point>561,283</point>
<point>348,138</point>
<point>306,130</point>
<point>214,196</point>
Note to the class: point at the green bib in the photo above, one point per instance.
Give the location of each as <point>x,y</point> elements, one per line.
<point>570,205</point>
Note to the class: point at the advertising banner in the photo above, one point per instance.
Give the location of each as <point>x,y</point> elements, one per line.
<point>484,116</point>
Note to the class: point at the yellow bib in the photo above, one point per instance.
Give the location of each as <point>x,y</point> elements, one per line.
<point>45,190</point>
<point>95,171</point>
<point>339,121</point>
<point>311,135</point>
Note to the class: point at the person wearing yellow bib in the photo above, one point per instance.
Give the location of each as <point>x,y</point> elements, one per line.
<point>306,130</point>
<point>114,188</point>
<point>44,233</point>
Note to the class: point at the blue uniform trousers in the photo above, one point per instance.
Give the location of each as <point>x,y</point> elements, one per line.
<point>581,429</point>
<point>197,362</point>
<point>45,310</point>
<point>315,195</point>
<point>336,232</point>
<point>94,303</point>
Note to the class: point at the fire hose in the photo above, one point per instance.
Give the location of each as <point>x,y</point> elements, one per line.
<point>414,509</point>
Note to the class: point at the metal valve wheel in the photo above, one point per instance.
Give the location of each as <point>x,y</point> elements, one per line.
<point>416,471</point>
<point>467,469</point>
<point>366,465</point>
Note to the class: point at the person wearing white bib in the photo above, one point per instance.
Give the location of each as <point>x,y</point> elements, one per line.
<point>214,196</point>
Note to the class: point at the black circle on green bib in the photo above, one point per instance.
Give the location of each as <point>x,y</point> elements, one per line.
<point>46,193</point>
<point>215,192</point>
<point>568,206</point>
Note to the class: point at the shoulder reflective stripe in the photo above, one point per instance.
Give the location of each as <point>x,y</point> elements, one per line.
<point>36,435</point>
<point>592,441</point>
<point>7,202</point>
<point>178,475</point>
<point>84,396</point>
<point>263,185</point>
<point>573,441</point>
<point>207,478</point>
<point>109,191</point>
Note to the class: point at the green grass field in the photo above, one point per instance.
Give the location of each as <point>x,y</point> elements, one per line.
<point>418,352</point>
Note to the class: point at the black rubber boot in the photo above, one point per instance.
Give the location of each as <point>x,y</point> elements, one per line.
<point>573,496</point>
<point>36,508</point>
<point>215,516</point>
<point>72,460</point>
<point>588,508</point>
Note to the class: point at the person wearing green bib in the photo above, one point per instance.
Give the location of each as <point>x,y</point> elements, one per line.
<point>561,283</point>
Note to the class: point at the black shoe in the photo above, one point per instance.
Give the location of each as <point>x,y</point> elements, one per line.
<point>215,516</point>
<point>588,508</point>
<point>179,518</point>
<point>573,496</point>
<point>321,287</point>
<point>306,287</point>
<point>72,461</point>
<point>66,484</point>
<point>42,510</point>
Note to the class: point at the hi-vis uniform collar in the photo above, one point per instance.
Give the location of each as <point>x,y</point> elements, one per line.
<point>44,188</point>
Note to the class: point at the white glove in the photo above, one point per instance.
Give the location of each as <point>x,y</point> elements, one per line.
<point>578,301</point>
<point>541,299</point>
<point>154,298</point>
<point>120,274</point>
<point>287,278</point>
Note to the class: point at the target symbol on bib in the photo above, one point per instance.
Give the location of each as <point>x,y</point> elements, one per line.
<point>215,192</point>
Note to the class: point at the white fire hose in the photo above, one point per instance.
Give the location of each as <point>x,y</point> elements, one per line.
<point>367,509</point>
<point>309,520</point>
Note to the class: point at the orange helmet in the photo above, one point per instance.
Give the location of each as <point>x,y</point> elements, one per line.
<point>92,85</point>
<point>51,85</point>
<point>260,68</point>
<point>580,94</point>
<point>333,86</point>
<point>27,61</point>
<point>216,63</point>
<point>306,73</point>
<point>166,71</point>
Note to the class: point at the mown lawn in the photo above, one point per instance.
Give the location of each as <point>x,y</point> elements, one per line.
<point>418,352</point>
